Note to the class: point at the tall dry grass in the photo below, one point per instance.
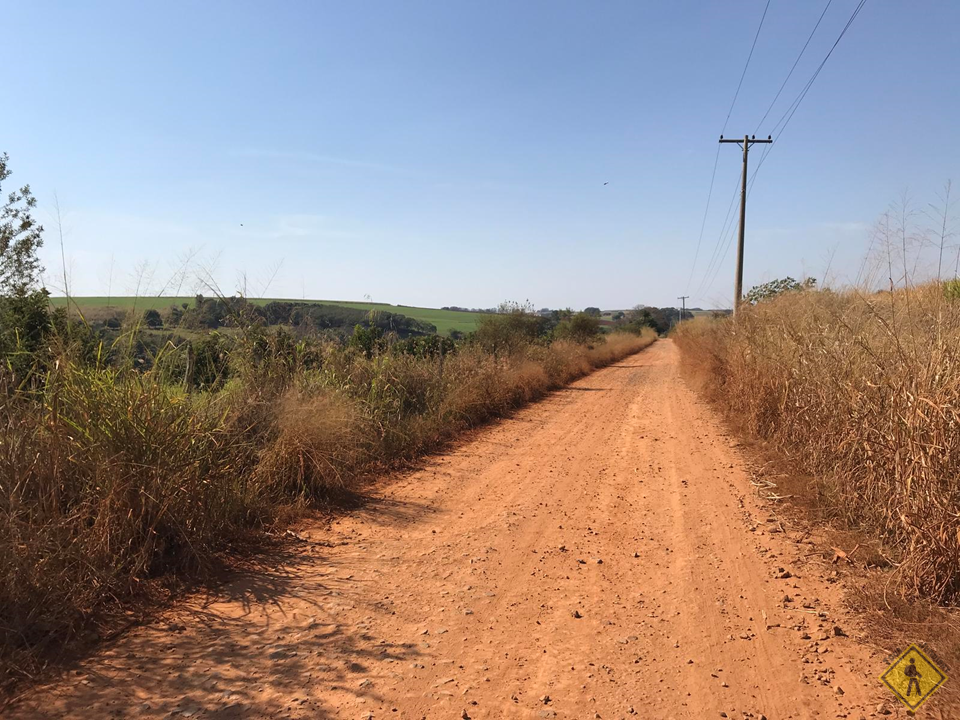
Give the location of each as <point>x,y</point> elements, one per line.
<point>865,390</point>
<point>110,477</point>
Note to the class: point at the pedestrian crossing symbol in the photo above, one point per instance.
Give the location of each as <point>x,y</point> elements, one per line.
<point>913,677</point>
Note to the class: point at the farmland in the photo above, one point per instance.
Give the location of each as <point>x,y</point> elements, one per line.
<point>445,320</point>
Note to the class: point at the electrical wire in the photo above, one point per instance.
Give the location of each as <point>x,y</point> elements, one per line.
<point>703,223</point>
<point>795,105</point>
<point>744,73</point>
<point>716,160</point>
<point>714,257</point>
<point>794,67</point>
<point>780,127</point>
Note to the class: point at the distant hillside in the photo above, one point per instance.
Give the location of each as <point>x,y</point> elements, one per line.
<point>445,320</point>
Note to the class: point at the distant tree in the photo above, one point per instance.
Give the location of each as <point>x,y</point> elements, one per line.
<point>20,238</point>
<point>581,328</point>
<point>592,311</point>
<point>659,319</point>
<point>510,327</point>
<point>772,289</point>
<point>618,315</point>
<point>641,317</point>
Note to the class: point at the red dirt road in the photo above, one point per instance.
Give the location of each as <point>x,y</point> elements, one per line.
<point>601,554</point>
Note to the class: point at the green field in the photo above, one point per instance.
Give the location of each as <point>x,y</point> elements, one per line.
<point>445,320</point>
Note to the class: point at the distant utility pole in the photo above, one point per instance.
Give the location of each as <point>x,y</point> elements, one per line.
<point>683,303</point>
<point>747,141</point>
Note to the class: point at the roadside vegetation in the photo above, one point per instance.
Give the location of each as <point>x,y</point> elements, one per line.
<point>131,451</point>
<point>862,388</point>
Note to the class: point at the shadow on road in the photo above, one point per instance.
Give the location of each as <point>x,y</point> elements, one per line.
<point>268,642</point>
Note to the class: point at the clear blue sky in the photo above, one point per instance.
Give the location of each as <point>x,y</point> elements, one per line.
<point>449,152</point>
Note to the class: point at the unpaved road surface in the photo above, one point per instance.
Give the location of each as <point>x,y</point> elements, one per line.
<point>601,554</point>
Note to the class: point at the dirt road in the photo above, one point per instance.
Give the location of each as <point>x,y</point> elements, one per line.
<point>601,554</point>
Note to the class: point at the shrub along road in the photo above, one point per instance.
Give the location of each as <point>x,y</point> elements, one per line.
<point>599,554</point>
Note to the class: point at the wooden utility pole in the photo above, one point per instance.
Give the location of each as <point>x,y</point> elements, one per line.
<point>683,309</point>
<point>738,283</point>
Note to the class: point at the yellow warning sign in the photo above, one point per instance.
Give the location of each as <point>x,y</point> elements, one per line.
<point>913,677</point>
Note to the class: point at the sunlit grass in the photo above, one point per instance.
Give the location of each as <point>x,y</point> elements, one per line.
<point>865,389</point>
<point>110,476</point>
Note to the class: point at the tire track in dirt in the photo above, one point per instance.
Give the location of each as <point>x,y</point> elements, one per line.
<point>598,555</point>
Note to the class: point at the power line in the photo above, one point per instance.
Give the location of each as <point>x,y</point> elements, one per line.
<point>744,73</point>
<point>792,108</point>
<point>733,227</point>
<point>716,160</point>
<point>705,285</point>
<point>726,247</point>
<point>748,142</point>
<point>795,63</point>
<point>703,223</point>
<point>785,120</point>
<point>714,257</point>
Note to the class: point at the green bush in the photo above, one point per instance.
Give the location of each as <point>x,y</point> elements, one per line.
<point>511,328</point>
<point>581,328</point>
<point>25,325</point>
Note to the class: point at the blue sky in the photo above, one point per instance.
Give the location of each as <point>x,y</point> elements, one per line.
<point>437,153</point>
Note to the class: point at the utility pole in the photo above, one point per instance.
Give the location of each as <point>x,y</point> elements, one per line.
<point>738,283</point>
<point>683,310</point>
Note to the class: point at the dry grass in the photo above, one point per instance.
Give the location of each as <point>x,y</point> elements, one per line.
<point>896,622</point>
<point>864,390</point>
<point>109,477</point>
<point>318,438</point>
